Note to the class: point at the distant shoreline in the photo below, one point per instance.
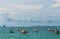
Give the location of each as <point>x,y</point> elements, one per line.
<point>30,26</point>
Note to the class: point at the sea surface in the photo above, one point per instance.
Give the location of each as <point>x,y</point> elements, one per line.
<point>42,33</point>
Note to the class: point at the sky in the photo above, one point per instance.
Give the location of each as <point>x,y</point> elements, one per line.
<point>30,12</point>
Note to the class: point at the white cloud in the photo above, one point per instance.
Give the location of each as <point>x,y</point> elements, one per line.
<point>21,7</point>
<point>55,5</point>
<point>57,1</point>
<point>12,10</point>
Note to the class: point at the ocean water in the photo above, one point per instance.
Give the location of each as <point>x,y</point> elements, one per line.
<point>42,33</point>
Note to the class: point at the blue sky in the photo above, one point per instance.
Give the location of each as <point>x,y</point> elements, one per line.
<point>29,12</point>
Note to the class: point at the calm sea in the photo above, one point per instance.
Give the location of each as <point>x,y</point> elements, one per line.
<point>42,33</point>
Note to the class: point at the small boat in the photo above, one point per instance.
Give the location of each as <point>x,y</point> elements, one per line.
<point>35,30</point>
<point>4,26</point>
<point>19,29</point>
<point>49,29</point>
<point>23,31</point>
<point>56,31</point>
<point>11,31</point>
